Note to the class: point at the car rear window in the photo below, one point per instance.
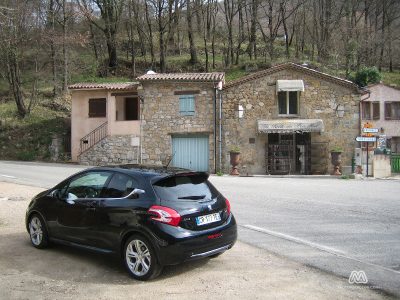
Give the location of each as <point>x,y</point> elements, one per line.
<point>185,188</point>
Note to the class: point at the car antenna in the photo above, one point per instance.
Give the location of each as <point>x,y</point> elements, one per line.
<point>172,156</point>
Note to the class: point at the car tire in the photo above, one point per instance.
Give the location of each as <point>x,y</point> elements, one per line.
<point>140,258</point>
<point>38,232</point>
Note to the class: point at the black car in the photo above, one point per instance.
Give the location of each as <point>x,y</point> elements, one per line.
<point>151,217</point>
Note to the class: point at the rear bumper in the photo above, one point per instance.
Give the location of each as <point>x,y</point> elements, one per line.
<point>184,245</point>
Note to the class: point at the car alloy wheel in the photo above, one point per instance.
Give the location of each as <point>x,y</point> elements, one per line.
<point>140,259</point>
<point>38,232</point>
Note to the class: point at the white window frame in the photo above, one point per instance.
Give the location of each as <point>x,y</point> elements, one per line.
<point>287,104</point>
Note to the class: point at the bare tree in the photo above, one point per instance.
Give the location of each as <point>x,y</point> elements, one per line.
<point>110,12</point>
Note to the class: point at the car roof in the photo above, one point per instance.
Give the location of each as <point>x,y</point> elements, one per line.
<point>146,170</point>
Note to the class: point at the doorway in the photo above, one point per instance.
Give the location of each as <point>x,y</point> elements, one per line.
<point>288,153</point>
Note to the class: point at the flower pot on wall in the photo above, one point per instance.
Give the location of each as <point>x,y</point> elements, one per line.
<point>336,160</point>
<point>234,159</point>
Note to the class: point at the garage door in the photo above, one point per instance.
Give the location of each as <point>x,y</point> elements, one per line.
<point>190,152</point>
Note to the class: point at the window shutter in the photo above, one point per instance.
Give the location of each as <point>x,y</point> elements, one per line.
<point>388,114</point>
<point>375,110</point>
<point>186,105</point>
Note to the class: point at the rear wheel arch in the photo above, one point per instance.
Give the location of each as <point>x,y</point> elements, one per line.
<point>132,232</point>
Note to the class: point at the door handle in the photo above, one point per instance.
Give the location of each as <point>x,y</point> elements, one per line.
<point>90,208</point>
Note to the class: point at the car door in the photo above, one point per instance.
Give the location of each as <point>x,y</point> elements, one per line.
<point>76,210</point>
<point>115,212</point>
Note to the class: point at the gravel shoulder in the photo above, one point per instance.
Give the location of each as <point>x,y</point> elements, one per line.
<point>66,273</point>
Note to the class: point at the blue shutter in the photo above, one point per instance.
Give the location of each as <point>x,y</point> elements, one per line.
<point>186,105</point>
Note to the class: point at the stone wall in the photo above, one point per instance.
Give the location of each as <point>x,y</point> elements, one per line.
<point>162,120</point>
<point>112,150</point>
<point>319,101</point>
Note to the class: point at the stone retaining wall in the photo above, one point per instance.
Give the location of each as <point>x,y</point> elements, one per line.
<point>110,151</point>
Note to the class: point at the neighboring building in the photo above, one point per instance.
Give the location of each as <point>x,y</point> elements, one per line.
<point>178,119</point>
<point>105,123</point>
<point>382,110</point>
<point>286,119</point>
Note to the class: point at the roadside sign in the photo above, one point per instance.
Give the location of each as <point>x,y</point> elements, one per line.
<point>366,139</point>
<point>370,130</point>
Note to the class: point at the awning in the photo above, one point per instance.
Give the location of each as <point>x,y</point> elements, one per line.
<point>289,85</point>
<point>290,126</point>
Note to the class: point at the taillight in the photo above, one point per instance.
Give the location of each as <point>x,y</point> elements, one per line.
<point>228,207</point>
<point>164,215</point>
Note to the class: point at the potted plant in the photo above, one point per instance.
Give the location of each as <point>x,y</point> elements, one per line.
<point>234,153</point>
<point>336,160</point>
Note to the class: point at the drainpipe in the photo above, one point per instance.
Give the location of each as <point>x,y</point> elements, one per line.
<point>215,127</point>
<point>141,100</point>
<point>220,130</point>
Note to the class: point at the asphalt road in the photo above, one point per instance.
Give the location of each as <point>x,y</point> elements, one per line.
<point>335,225</point>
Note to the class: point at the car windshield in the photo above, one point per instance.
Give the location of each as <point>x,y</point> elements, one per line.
<point>188,187</point>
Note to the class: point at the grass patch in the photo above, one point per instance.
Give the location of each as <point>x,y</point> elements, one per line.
<point>391,78</point>
<point>29,138</point>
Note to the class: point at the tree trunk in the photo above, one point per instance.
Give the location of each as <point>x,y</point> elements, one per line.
<point>193,52</point>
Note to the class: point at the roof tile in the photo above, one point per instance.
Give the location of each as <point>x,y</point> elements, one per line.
<point>207,77</point>
<point>104,86</point>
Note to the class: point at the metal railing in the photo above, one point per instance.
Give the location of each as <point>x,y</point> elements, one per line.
<point>395,162</point>
<point>92,138</point>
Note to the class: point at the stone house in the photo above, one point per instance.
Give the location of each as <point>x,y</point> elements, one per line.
<point>286,119</point>
<point>160,118</point>
<point>382,110</point>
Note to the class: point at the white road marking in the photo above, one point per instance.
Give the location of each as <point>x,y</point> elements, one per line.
<point>295,239</point>
<point>330,250</point>
<point>8,176</point>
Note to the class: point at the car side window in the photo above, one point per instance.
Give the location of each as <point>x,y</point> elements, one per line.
<point>120,186</point>
<point>88,185</point>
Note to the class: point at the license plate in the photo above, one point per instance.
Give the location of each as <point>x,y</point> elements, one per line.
<point>203,220</point>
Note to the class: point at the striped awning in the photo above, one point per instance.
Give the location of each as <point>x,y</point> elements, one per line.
<point>290,126</point>
<point>289,86</point>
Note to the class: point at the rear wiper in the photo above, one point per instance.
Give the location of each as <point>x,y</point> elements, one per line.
<point>193,197</point>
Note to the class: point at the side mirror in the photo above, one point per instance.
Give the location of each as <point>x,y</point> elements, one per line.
<point>55,194</point>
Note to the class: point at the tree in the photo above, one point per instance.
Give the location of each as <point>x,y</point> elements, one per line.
<point>110,12</point>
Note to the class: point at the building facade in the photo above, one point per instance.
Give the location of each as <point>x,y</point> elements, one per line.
<point>284,120</point>
<point>288,118</point>
<point>382,110</point>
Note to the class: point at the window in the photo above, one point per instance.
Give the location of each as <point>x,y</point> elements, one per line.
<point>97,108</point>
<point>186,105</point>
<point>88,185</point>
<point>375,111</point>
<point>392,110</point>
<point>131,109</point>
<point>120,186</point>
<point>366,110</point>
<point>288,103</point>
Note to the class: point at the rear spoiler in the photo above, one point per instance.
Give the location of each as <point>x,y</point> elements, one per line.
<point>205,175</point>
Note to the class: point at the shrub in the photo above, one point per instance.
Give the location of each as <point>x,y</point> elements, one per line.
<point>366,75</point>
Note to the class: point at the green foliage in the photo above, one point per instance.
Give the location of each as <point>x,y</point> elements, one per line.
<point>391,78</point>
<point>29,138</point>
<point>337,149</point>
<point>220,173</point>
<point>366,75</point>
<point>235,149</point>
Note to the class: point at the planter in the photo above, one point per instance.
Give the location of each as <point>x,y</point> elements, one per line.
<point>336,160</point>
<point>235,159</point>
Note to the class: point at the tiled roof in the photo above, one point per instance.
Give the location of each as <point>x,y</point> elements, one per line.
<point>296,67</point>
<point>104,86</point>
<point>202,77</point>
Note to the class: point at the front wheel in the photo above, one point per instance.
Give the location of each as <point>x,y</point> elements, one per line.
<point>140,259</point>
<point>38,232</point>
